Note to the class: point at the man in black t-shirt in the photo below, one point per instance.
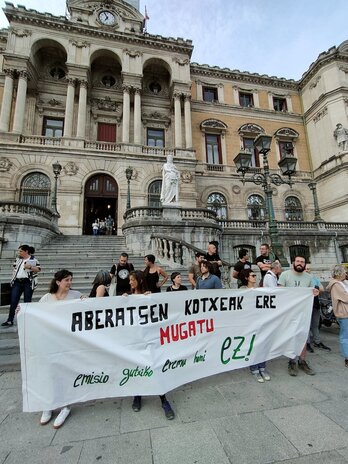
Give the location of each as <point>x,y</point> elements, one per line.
<point>265,260</point>
<point>242,263</point>
<point>121,271</point>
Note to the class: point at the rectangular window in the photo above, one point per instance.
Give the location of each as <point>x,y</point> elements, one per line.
<point>210,94</point>
<point>106,132</point>
<point>248,144</point>
<point>286,149</point>
<point>213,148</point>
<point>279,104</point>
<point>155,138</point>
<point>52,127</point>
<point>246,99</point>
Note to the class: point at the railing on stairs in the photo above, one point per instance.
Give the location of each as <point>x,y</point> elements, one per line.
<point>174,252</point>
<point>16,207</point>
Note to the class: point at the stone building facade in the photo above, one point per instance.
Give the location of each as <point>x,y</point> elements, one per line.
<point>96,93</point>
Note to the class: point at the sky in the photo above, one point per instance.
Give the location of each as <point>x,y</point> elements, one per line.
<point>274,37</point>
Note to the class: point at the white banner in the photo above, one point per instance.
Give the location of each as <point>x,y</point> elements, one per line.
<point>78,350</point>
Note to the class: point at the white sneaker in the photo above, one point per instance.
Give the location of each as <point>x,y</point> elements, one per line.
<point>258,376</point>
<point>61,418</point>
<point>265,374</point>
<point>46,417</point>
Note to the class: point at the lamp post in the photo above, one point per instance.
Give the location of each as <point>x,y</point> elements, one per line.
<point>57,168</point>
<point>313,188</point>
<point>288,167</point>
<point>129,173</point>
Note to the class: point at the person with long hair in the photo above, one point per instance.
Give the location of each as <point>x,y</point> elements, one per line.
<point>338,288</point>
<point>248,281</point>
<point>60,289</point>
<point>100,283</point>
<point>138,285</point>
<point>152,274</point>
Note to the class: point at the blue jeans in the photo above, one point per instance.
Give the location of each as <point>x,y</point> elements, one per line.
<point>20,286</point>
<point>257,367</point>
<point>343,321</point>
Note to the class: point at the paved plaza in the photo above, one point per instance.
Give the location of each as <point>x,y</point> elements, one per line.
<point>226,418</point>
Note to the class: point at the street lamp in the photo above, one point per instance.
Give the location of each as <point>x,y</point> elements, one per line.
<point>57,168</point>
<point>288,167</point>
<point>313,187</point>
<point>129,173</point>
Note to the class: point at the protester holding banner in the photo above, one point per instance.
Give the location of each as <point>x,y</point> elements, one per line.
<point>60,289</point>
<point>248,281</point>
<point>176,286</point>
<point>138,285</point>
<point>101,281</point>
<point>152,274</point>
<point>297,277</point>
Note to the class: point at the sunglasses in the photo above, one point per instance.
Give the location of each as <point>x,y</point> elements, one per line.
<point>252,275</point>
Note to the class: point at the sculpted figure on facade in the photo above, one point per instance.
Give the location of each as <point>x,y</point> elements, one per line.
<point>341,136</point>
<point>170,183</point>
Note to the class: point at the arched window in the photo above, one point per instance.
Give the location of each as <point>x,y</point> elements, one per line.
<point>36,189</point>
<point>217,202</point>
<point>293,209</point>
<point>154,194</point>
<point>256,208</point>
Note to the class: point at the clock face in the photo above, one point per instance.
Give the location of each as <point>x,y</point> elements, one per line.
<point>107,18</point>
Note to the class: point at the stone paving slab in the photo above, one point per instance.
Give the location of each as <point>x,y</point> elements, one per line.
<point>327,457</point>
<point>61,454</point>
<point>187,443</point>
<point>252,438</point>
<point>343,452</point>
<point>336,410</point>
<point>308,429</point>
<point>10,380</point>
<point>129,448</point>
<point>11,400</point>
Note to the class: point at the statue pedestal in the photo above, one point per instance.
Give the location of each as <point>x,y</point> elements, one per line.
<point>172,212</point>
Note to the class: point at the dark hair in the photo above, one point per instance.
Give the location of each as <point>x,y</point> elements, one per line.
<point>243,252</point>
<point>244,274</point>
<point>31,250</point>
<point>102,278</point>
<point>124,255</point>
<point>173,275</point>
<point>265,244</point>
<point>58,276</point>
<point>300,256</point>
<point>25,248</point>
<point>139,276</point>
<point>200,253</point>
<point>151,258</point>
<point>208,265</point>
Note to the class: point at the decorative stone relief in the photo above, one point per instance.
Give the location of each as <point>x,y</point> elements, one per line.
<point>133,53</point>
<point>54,102</point>
<point>186,177</point>
<point>180,61</point>
<point>320,114</point>
<point>105,104</point>
<point>314,83</point>
<point>79,43</point>
<point>5,164</point>
<point>236,189</point>
<point>70,168</point>
<point>21,32</point>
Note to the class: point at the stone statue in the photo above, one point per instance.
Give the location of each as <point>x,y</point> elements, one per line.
<point>170,183</point>
<point>341,136</point>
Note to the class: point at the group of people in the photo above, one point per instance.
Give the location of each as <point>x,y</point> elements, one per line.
<point>204,274</point>
<point>103,226</point>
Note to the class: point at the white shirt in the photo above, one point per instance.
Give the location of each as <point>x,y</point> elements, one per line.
<point>270,279</point>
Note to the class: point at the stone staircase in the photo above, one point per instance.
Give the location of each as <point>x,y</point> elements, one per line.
<point>84,256</point>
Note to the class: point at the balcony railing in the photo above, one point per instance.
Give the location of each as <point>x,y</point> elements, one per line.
<point>145,212</point>
<point>40,140</point>
<point>15,207</point>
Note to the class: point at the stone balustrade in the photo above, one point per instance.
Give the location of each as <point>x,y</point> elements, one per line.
<point>14,207</point>
<point>40,140</point>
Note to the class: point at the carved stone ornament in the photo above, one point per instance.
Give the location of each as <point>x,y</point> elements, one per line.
<point>79,43</point>
<point>133,53</point>
<point>315,82</point>
<point>70,168</point>
<point>186,177</point>
<point>105,104</point>
<point>5,164</point>
<point>320,114</point>
<point>21,32</point>
<point>180,61</point>
<point>54,102</point>
<point>236,189</point>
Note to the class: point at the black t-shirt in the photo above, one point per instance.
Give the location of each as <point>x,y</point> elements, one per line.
<point>266,260</point>
<point>214,257</point>
<point>171,289</point>
<point>239,266</point>
<point>122,277</point>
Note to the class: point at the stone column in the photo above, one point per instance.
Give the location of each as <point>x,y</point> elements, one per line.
<point>81,116</point>
<point>137,116</point>
<point>7,101</point>
<point>188,124</point>
<point>20,103</point>
<point>126,114</point>
<point>69,108</point>
<point>177,117</point>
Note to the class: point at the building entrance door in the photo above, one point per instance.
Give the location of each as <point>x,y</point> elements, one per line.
<point>101,194</point>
